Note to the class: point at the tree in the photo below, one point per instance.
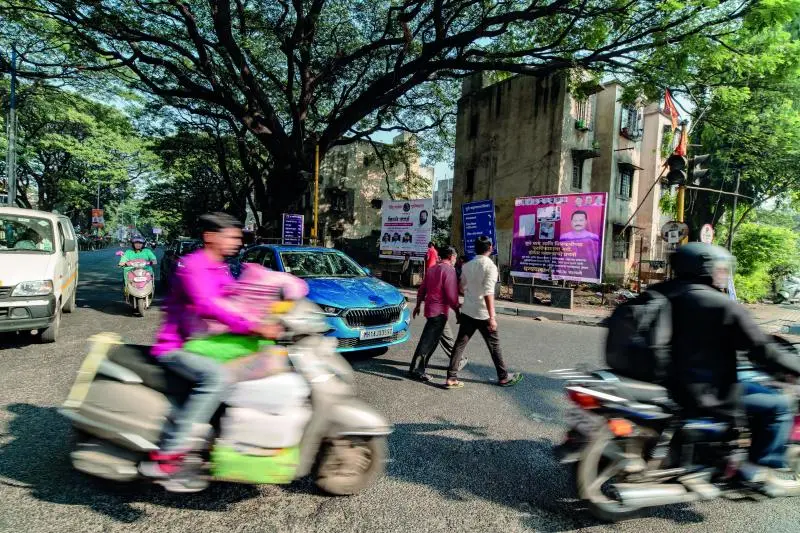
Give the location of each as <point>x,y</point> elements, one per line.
<point>317,73</point>
<point>69,146</point>
<point>764,254</point>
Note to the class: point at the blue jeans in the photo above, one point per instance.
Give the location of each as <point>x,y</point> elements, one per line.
<point>212,381</point>
<point>771,419</point>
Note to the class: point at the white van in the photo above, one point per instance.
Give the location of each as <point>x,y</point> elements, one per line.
<point>38,271</point>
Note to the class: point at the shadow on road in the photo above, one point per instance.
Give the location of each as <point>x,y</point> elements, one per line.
<point>37,458</point>
<point>519,474</point>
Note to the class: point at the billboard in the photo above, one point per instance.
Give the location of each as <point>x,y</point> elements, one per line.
<point>559,237</point>
<point>97,218</point>
<point>477,219</point>
<point>406,227</point>
<point>292,232</point>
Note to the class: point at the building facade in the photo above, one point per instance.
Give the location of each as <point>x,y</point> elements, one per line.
<point>528,136</point>
<point>353,182</point>
<point>443,199</point>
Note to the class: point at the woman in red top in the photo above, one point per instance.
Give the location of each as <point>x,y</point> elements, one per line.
<point>432,257</point>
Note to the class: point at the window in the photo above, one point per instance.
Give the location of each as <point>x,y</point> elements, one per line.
<point>582,111</point>
<point>320,265</point>
<point>470,188</point>
<point>630,123</point>
<point>622,242</point>
<point>626,182</point>
<point>339,200</point>
<point>269,260</point>
<point>253,256</point>
<point>473,126</point>
<point>367,160</point>
<point>577,174</point>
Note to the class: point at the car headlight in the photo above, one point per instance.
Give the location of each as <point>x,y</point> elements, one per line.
<point>404,304</point>
<point>33,288</point>
<point>329,310</point>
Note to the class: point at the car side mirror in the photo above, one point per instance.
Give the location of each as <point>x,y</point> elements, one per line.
<point>367,271</point>
<point>69,245</point>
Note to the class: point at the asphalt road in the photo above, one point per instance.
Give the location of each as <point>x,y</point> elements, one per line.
<point>475,459</point>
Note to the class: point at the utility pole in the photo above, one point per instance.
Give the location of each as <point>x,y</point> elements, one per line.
<point>11,159</point>
<point>733,212</point>
<point>314,228</point>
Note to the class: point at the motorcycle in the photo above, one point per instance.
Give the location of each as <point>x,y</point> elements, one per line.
<point>272,430</point>
<point>789,290</point>
<point>633,448</point>
<point>139,286</point>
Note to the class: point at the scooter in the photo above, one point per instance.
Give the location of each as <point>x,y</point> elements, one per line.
<point>139,286</point>
<point>634,449</point>
<point>270,430</point>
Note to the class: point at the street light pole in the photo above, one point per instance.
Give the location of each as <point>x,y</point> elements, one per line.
<point>11,159</point>
<point>315,227</point>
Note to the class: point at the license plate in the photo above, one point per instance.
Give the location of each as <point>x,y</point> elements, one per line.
<point>140,279</point>
<point>583,422</point>
<point>380,333</point>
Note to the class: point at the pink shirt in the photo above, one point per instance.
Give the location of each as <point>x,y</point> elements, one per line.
<point>439,290</point>
<point>198,290</point>
<point>431,258</point>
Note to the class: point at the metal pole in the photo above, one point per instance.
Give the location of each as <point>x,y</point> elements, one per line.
<point>681,200</point>
<point>11,159</point>
<point>314,228</point>
<point>733,213</point>
<point>98,195</point>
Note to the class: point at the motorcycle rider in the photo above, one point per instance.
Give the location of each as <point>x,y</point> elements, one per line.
<point>197,295</point>
<point>707,331</point>
<point>137,253</point>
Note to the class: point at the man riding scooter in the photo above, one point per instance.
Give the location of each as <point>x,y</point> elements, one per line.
<point>197,295</point>
<point>137,254</point>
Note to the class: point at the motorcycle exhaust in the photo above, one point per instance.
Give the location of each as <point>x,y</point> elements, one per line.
<point>653,494</point>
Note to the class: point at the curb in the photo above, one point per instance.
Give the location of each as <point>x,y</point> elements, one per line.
<point>555,316</point>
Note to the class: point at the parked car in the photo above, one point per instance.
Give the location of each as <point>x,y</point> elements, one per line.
<point>364,313</point>
<point>172,254</point>
<point>38,271</point>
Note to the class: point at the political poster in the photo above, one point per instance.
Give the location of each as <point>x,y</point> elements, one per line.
<point>98,221</point>
<point>406,227</point>
<point>292,233</point>
<point>559,237</point>
<point>478,219</point>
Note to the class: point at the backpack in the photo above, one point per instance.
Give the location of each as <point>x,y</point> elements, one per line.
<point>639,338</point>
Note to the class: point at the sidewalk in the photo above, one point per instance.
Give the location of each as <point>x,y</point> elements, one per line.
<point>783,319</point>
<point>580,315</point>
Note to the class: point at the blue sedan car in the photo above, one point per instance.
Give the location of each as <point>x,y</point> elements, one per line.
<point>364,313</point>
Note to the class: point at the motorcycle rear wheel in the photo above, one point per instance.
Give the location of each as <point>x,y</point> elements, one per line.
<point>348,465</point>
<point>594,471</point>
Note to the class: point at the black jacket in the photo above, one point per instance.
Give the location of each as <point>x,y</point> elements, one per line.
<point>708,329</point>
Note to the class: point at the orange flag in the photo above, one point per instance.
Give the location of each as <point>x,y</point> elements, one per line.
<point>669,107</point>
<point>683,144</point>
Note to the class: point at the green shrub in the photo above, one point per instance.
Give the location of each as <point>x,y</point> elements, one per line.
<point>754,286</point>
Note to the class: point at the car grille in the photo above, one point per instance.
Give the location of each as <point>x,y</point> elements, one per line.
<point>4,312</point>
<point>358,343</point>
<point>365,318</point>
<point>5,292</point>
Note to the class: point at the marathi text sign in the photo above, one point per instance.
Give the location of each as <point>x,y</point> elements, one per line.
<point>559,237</point>
<point>406,228</point>
<point>477,219</point>
<point>292,233</point>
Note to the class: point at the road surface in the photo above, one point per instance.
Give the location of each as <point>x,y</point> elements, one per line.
<point>476,459</point>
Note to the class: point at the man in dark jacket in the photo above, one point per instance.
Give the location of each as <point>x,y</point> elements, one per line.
<point>708,331</point>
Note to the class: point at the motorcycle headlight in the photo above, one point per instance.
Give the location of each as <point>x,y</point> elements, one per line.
<point>33,288</point>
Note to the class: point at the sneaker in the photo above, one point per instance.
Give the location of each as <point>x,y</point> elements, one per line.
<point>161,465</point>
<point>752,473</point>
<point>184,485</point>
<point>419,377</point>
<point>462,363</point>
<point>781,481</point>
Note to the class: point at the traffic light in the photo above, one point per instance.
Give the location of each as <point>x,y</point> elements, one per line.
<point>677,169</point>
<point>695,172</point>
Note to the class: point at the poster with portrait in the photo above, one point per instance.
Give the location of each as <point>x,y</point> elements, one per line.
<point>559,237</point>
<point>406,227</point>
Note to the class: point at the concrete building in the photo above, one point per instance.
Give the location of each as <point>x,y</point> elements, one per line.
<point>443,199</point>
<point>528,136</point>
<point>523,136</point>
<point>353,182</point>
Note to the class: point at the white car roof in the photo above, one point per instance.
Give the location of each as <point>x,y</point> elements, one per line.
<point>30,213</point>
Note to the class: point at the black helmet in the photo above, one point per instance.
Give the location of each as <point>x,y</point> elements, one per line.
<point>703,263</point>
<point>137,238</point>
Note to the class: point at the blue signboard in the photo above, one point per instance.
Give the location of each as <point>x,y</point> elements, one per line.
<point>292,229</point>
<point>477,219</point>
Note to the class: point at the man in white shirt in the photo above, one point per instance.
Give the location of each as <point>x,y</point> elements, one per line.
<point>478,279</point>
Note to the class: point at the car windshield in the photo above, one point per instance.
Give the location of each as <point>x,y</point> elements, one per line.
<point>25,234</point>
<point>314,264</point>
